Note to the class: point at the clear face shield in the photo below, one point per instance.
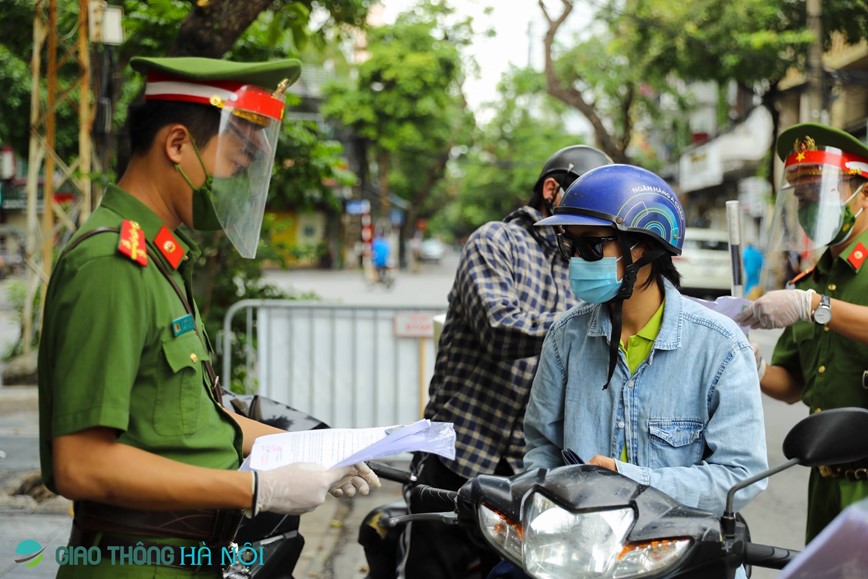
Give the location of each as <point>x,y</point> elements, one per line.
<point>247,143</point>
<point>812,209</point>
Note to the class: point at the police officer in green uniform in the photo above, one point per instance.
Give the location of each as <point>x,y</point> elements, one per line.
<point>822,357</point>
<point>132,428</point>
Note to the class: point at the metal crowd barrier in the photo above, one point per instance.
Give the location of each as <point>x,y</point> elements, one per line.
<point>349,366</point>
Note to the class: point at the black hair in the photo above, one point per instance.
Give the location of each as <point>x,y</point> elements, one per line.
<point>146,119</point>
<point>563,178</point>
<point>662,267</point>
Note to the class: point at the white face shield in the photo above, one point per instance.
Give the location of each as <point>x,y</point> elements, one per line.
<point>812,209</point>
<point>247,143</point>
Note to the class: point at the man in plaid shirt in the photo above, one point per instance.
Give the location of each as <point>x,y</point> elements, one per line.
<point>511,285</point>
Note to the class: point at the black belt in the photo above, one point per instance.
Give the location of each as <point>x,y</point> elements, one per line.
<point>211,526</point>
<point>854,471</point>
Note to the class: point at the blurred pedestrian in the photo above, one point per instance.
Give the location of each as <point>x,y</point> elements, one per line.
<point>753,264</point>
<point>380,256</point>
<point>507,292</point>
<point>816,359</point>
<point>132,426</point>
<point>415,247</point>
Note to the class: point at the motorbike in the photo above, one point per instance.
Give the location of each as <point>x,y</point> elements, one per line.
<point>584,521</point>
<point>274,536</point>
<point>380,530</point>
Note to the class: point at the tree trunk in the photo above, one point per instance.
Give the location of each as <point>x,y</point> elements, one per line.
<point>211,28</point>
<point>614,147</point>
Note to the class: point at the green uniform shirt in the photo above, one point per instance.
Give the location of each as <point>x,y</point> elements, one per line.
<point>832,367</point>
<point>108,355</point>
<point>637,350</point>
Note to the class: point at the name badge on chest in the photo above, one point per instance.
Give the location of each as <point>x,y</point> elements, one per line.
<point>183,325</point>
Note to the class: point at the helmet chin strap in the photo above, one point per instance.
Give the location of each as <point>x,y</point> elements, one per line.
<point>631,271</point>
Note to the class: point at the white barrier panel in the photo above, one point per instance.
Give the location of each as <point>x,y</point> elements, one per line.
<point>350,366</point>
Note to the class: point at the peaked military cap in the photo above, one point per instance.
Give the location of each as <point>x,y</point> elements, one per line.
<point>800,139</point>
<point>196,79</point>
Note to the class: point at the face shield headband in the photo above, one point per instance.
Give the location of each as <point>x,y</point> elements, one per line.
<point>812,209</point>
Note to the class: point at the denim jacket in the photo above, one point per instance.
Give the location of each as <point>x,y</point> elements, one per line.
<point>691,415</point>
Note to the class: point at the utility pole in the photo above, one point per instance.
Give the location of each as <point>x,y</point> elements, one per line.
<point>816,92</point>
<point>56,219</point>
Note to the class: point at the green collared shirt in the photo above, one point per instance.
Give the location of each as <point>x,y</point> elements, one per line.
<point>109,356</point>
<point>638,348</point>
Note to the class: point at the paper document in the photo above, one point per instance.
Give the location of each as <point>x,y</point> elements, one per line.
<point>727,305</point>
<point>335,447</point>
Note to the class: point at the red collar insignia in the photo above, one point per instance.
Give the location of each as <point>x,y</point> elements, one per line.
<point>857,256</point>
<point>132,243</point>
<point>169,246</point>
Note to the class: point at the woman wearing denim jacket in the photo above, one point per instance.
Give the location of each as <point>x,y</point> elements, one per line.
<point>639,379</point>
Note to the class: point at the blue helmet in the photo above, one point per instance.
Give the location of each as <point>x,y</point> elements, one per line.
<point>627,198</point>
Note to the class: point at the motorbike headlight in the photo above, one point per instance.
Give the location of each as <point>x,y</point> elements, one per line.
<point>559,544</point>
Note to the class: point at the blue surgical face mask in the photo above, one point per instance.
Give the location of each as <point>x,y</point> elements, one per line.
<point>595,282</point>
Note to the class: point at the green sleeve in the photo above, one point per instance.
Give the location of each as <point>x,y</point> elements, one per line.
<point>97,324</point>
<point>786,354</point>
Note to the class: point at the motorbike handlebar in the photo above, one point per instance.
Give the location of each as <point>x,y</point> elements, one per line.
<point>433,498</point>
<point>391,473</point>
<point>767,556</point>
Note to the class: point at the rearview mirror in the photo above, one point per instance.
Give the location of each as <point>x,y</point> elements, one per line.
<point>829,437</point>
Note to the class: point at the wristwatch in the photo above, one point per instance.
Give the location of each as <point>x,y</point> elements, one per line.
<point>823,313</point>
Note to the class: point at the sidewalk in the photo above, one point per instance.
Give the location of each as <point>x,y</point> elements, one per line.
<point>331,549</point>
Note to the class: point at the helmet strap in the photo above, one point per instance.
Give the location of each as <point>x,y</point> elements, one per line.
<point>631,271</point>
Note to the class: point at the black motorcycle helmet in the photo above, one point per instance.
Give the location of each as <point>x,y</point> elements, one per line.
<point>566,166</point>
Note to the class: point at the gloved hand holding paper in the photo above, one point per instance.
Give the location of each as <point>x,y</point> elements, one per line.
<point>335,447</point>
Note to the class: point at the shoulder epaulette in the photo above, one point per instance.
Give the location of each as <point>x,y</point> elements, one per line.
<point>132,242</point>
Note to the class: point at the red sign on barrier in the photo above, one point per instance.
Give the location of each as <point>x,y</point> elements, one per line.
<point>413,325</point>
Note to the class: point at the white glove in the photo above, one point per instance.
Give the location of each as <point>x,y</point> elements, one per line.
<point>778,309</point>
<point>761,365</point>
<point>362,481</point>
<point>295,488</point>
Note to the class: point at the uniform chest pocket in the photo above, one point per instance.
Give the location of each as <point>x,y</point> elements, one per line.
<point>675,442</point>
<point>181,391</point>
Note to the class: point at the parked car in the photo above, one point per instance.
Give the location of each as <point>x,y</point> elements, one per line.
<point>704,263</point>
<point>432,250</point>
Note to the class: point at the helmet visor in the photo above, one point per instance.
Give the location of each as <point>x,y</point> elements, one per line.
<point>249,128</point>
<point>810,208</point>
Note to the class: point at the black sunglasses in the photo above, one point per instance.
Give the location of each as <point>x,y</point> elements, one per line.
<point>588,248</point>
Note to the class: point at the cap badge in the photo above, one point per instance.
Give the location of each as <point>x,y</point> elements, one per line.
<point>802,145</point>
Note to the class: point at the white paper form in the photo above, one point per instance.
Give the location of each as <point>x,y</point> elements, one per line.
<point>726,305</point>
<point>334,447</point>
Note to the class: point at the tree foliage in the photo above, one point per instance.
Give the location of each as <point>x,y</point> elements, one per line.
<point>498,172</point>
<point>406,100</point>
<point>645,44</point>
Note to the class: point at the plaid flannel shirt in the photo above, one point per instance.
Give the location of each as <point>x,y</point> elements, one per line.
<point>511,285</point>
